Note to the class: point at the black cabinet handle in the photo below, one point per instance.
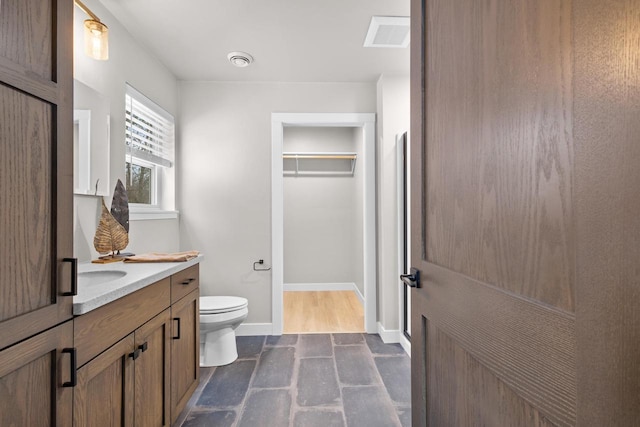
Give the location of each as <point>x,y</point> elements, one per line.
<point>73,365</point>
<point>74,277</point>
<point>135,354</point>
<point>143,346</point>
<point>178,337</point>
<point>186,282</point>
<point>412,279</point>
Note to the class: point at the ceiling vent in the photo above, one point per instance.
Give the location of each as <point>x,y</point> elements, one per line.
<point>388,31</point>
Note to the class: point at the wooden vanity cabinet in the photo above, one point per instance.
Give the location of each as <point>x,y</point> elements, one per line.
<point>133,381</point>
<point>185,350</point>
<point>128,384</point>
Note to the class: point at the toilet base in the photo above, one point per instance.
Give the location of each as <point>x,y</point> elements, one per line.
<point>218,348</point>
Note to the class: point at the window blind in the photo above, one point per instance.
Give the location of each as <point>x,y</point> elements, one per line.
<point>149,130</point>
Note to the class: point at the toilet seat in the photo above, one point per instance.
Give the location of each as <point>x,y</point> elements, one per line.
<point>221,304</point>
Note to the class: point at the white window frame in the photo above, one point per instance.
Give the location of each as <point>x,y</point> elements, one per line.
<point>158,208</point>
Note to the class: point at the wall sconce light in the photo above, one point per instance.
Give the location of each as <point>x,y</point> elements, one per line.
<point>96,35</point>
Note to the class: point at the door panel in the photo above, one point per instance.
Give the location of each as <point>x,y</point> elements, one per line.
<point>525,212</point>
<point>153,371</point>
<point>185,351</point>
<point>36,175</point>
<point>492,214</point>
<point>32,374</point>
<point>486,397</point>
<point>104,395</point>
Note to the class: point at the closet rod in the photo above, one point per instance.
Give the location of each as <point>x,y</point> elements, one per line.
<point>320,156</point>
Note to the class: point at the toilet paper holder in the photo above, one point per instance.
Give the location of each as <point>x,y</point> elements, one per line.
<point>260,262</point>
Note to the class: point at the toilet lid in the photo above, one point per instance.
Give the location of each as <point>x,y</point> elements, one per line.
<point>211,305</point>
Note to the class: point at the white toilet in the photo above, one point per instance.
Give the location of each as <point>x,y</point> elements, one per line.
<point>219,317</point>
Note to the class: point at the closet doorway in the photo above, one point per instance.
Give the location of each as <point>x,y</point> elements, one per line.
<point>323,223</point>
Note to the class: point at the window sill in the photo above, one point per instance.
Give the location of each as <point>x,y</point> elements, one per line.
<point>151,214</point>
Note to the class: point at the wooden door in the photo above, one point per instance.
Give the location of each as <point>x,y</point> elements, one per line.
<point>104,395</point>
<point>36,161</point>
<point>152,372</point>
<point>185,351</point>
<point>525,201</point>
<point>33,374</point>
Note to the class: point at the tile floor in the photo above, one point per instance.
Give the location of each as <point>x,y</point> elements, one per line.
<point>307,380</point>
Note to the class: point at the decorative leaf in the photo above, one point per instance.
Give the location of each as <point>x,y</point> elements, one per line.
<point>110,235</point>
<point>120,205</point>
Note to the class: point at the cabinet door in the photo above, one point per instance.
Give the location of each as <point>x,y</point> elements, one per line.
<point>36,166</point>
<point>153,372</point>
<point>104,395</point>
<point>185,351</point>
<point>32,374</point>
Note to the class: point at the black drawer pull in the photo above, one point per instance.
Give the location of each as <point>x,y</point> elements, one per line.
<point>186,282</point>
<point>73,365</point>
<point>143,346</point>
<point>177,337</point>
<point>135,354</point>
<point>74,277</point>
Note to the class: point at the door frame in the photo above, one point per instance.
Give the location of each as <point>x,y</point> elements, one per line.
<point>365,121</point>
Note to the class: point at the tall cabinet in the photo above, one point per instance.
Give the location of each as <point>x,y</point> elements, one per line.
<point>36,206</point>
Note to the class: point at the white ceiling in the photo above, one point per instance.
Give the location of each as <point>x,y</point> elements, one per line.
<point>290,40</point>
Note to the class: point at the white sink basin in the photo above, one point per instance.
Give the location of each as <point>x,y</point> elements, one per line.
<point>93,278</point>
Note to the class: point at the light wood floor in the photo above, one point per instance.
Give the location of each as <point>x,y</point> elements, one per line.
<point>322,311</point>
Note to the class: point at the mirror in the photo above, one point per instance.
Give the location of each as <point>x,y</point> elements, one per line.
<point>90,141</point>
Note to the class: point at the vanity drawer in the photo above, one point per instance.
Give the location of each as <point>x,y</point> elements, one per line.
<point>184,282</point>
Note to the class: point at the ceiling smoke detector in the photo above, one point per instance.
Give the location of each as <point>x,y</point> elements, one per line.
<point>388,31</point>
<point>240,59</point>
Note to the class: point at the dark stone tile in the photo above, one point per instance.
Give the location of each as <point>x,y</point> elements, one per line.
<point>368,406</point>
<point>208,419</point>
<point>378,347</point>
<point>249,347</point>
<point>347,339</point>
<point>315,345</point>
<point>282,340</point>
<point>318,419</point>
<point>405,416</point>
<point>355,366</point>
<point>275,368</point>
<point>266,408</point>
<point>228,385</point>
<point>396,376</point>
<point>317,383</point>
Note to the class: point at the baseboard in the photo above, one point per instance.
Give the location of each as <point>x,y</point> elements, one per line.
<point>325,287</point>
<point>358,294</point>
<point>319,286</point>
<point>406,344</point>
<point>394,336</point>
<point>250,329</point>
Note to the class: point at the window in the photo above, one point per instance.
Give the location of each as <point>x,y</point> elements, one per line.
<point>149,137</point>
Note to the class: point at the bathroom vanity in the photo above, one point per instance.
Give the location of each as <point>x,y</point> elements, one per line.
<point>136,338</point>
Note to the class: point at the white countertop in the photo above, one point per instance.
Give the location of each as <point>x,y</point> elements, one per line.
<point>135,276</point>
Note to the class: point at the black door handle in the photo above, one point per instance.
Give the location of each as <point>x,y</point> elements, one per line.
<point>74,277</point>
<point>412,279</point>
<point>73,364</point>
<point>178,336</point>
<point>143,346</point>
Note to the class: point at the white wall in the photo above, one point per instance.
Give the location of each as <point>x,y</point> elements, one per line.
<point>393,118</point>
<point>321,216</point>
<point>128,63</point>
<point>224,175</point>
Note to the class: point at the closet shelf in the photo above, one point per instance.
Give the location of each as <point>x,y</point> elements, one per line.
<point>305,168</point>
